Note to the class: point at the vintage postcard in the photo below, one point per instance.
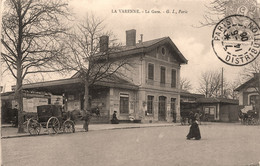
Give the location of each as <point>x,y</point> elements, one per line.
<point>118,83</point>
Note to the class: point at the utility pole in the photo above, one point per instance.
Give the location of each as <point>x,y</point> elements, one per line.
<point>222,83</point>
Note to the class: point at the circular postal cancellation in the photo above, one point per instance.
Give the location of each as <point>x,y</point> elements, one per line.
<point>236,40</point>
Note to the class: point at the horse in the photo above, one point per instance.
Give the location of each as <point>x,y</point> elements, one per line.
<point>95,111</point>
<point>73,115</point>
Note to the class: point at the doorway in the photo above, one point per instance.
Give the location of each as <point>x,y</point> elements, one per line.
<point>162,108</point>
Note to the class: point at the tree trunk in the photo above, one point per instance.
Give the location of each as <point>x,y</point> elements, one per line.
<point>86,96</point>
<point>86,111</point>
<point>19,79</point>
<point>19,99</point>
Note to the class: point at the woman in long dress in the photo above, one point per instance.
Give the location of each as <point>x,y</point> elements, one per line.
<point>194,130</point>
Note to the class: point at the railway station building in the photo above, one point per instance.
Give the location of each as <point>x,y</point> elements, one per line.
<point>150,93</point>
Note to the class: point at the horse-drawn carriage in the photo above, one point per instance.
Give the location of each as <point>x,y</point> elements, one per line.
<point>249,116</point>
<point>52,118</point>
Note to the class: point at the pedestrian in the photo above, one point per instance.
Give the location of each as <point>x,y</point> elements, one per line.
<point>191,116</point>
<point>114,119</point>
<point>197,116</point>
<point>86,119</point>
<point>194,130</point>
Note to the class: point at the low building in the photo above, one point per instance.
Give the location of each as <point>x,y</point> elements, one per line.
<point>219,109</point>
<point>212,109</point>
<point>248,93</point>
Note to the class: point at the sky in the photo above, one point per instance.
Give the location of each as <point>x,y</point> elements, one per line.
<point>193,42</point>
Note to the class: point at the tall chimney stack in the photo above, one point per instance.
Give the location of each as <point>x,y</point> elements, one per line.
<point>131,37</point>
<point>103,42</point>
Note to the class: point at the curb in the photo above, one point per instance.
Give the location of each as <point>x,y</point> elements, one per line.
<point>78,131</point>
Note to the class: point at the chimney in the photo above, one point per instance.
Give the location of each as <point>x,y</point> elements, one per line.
<point>103,42</point>
<point>131,37</point>
<point>141,40</point>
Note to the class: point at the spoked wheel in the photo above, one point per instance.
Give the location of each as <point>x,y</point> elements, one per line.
<point>53,125</point>
<point>68,126</point>
<point>33,127</point>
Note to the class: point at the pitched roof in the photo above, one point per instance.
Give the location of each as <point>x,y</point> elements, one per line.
<point>58,86</point>
<point>217,100</point>
<point>184,93</point>
<point>246,84</point>
<point>146,46</point>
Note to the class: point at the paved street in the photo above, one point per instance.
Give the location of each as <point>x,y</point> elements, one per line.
<point>221,144</point>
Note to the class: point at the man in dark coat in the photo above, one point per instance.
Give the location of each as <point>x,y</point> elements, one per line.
<point>86,119</point>
<point>194,130</point>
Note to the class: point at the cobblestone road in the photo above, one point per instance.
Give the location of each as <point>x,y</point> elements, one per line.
<point>221,144</point>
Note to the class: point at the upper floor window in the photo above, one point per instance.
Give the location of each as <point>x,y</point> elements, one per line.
<point>163,51</point>
<point>150,71</point>
<point>163,72</point>
<point>173,83</point>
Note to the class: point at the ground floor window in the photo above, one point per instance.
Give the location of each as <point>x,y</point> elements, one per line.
<point>124,103</point>
<point>253,100</point>
<point>150,104</point>
<point>173,101</point>
<point>210,111</point>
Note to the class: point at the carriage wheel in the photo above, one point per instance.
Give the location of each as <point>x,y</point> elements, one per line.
<point>254,121</point>
<point>68,126</point>
<point>53,125</point>
<point>33,127</point>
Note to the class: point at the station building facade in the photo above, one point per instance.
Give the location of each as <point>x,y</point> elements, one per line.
<point>151,91</point>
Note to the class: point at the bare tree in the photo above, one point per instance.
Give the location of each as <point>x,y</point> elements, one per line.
<point>185,84</point>
<point>30,31</point>
<point>249,70</point>
<point>218,9</point>
<point>92,55</point>
<point>230,90</point>
<point>210,84</point>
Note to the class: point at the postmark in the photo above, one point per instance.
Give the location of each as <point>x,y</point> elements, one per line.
<point>236,40</point>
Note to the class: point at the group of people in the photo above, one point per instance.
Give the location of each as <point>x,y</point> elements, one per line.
<point>194,131</point>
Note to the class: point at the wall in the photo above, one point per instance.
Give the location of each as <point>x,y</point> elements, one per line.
<point>154,117</point>
<point>229,113</point>
<point>211,117</point>
<point>155,57</point>
<point>100,99</point>
<point>115,103</point>
<point>155,88</point>
<point>72,101</point>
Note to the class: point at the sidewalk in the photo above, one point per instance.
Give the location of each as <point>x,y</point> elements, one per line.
<point>11,132</point>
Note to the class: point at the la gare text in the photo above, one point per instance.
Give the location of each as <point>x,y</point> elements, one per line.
<point>173,11</point>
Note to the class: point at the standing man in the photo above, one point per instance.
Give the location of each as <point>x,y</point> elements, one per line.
<point>86,119</point>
